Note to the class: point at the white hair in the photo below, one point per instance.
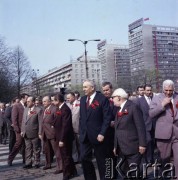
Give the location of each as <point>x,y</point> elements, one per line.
<point>121,93</point>
<point>92,83</point>
<point>168,82</point>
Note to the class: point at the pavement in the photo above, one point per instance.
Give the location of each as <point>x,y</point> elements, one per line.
<point>16,171</point>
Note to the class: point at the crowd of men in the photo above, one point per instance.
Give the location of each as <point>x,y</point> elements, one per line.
<point>106,125</point>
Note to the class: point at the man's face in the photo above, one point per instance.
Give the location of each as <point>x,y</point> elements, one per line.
<point>107,91</point>
<point>117,101</point>
<point>2,106</point>
<point>88,88</point>
<point>46,102</point>
<point>70,98</point>
<point>148,91</point>
<point>168,91</point>
<point>52,100</point>
<point>30,103</point>
<point>25,99</point>
<point>141,91</point>
<point>56,102</point>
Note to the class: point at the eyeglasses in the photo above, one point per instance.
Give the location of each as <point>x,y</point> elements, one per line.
<point>115,96</point>
<point>168,90</point>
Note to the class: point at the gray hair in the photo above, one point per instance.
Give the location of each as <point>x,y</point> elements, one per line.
<point>91,82</point>
<point>168,82</point>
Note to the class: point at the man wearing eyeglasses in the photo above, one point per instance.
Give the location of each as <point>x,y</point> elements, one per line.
<point>164,107</point>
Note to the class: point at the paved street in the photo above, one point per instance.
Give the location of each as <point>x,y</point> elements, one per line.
<point>16,172</point>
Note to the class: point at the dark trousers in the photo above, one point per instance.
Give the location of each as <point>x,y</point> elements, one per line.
<point>12,139</point>
<point>76,148</point>
<point>67,161</point>
<point>58,157</point>
<point>17,147</point>
<point>33,147</point>
<point>101,154</point>
<point>49,146</point>
<point>127,163</point>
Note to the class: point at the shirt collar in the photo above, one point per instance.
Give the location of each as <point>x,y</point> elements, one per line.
<point>61,105</point>
<point>122,105</point>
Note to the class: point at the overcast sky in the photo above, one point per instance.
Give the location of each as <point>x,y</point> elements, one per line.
<point>42,27</point>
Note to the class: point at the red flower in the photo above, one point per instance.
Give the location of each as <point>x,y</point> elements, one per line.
<point>120,114</point>
<point>58,112</point>
<point>32,112</point>
<point>177,105</point>
<point>47,112</point>
<point>94,104</point>
<point>77,105</point>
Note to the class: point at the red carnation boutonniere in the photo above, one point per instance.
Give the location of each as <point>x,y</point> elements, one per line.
<point>177,105</point>
<point>32,112</point>
<point>76,105</point>
<point>58,112</point>
<point>95,104</point>
<point>47,112</point>
<point>120,114</point>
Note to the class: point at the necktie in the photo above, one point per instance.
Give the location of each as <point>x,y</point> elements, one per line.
<point>88,102</point>
<point>172,108</point>
<point>149,100</point>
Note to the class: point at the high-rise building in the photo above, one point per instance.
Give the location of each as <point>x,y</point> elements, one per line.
<point>115,64</point>
<point>153,53</point>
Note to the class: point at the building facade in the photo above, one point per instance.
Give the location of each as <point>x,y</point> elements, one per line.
<point>153,53</point>
<point>115,64</point>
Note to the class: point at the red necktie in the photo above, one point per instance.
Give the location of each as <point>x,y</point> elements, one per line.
<point>88,102</point>
<point>172,108</point>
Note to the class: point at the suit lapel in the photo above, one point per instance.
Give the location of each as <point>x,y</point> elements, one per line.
<point>175,102</point>
<point>145,103</point>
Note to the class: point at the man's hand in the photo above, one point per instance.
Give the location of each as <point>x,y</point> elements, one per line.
<point>40,136</point>
<point>100,138</point>
<point>21,134</point>
<point>166,101</point>
<point>142,149</point>
<point>114,151</point>
<point>61,144</point>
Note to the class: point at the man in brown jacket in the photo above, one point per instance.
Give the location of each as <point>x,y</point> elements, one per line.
<point>17,114</point>
<point>48,133</point>
<point>31,127</point>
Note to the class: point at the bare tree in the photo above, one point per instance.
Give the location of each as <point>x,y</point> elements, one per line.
<point>20,68</point>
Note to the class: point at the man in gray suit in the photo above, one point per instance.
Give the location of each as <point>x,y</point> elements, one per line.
<point>74,105</point>
<point>165,108</point>
<point>31,128</point>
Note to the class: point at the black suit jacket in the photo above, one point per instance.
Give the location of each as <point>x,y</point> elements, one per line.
<point>63,124</point>
<point>94,120</point>
<point>143,105</point>
<point>130,131</point>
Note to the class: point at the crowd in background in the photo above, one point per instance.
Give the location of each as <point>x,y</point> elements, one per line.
<point>111,124</point>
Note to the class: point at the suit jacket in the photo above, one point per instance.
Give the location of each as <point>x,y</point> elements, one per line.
<point>8,117</point>
<point>130,131</point>
<point>63,124</point>
<point>17,115</point>
<point>48,121</point>
<point>96,119</point>
<point>166,124</point>
<point>75,109</point>
<point>143,105</point>
<point>31,123</point>
<point>2,119</point>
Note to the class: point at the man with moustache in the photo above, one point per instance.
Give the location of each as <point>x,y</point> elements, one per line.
<point>64,136</point>
<point>30,130</point>
<point>164,107</point>
<point>17,115</point>
<point>48,134</point>
<point>95,119</point>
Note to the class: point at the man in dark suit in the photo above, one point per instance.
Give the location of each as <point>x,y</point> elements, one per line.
<point>8,112</point>
<point>17,115</point>
<point>95,119</point>
<point>3,126</point>
<point>48,133</point>
<point>130,131</point>
<point>64,136</point>
<point>30,130</point>
<point>164,107</point>
<point>144,104</point>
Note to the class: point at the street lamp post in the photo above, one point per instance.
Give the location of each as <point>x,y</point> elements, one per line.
<point>85,43</point>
